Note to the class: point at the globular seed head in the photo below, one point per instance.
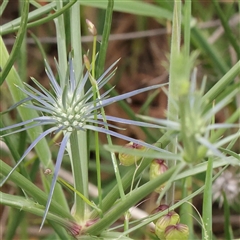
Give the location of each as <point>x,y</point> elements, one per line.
<point>157,167</point>
<point>160,208</point>
<point>128,159</point>
<point>177,231</point>
<point>163,222</point>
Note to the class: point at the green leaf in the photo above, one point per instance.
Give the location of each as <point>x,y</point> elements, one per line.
<point>38,195</point>
<point>17,45</point>
<point>32,207</point>
<point>132,6</point>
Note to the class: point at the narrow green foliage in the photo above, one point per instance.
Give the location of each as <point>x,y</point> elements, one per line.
<point>61,43</point>
<point>174,84</point>
<point>17,45</point>
<point>221,85</point>
<point>227,29</point>
<point>12,27</point>
<point>210,50</point>
<point>105,37</point>
<point>63,123</point>
<point>227,224</point>
<point>207,202</point>
<point>38,195</point>
<point>34,208</point>
<point>15,218</point>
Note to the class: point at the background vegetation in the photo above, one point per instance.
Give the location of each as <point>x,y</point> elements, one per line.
<point>197,43</point>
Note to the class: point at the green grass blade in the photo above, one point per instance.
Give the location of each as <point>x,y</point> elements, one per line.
<point>15,218</point>
<point>61,44</point>
<point>38,43</point>
<point>42,20</point>
<point>228,233</point>
<point>201,43</point>
<point>9,140</point>
<point>227,30</point>
<point>207,202</point>
<point>222,83</point>
<point>34,208</point>
<point>13,25</point>
<point>104,44</point>
<point>134,7</point>
<point>129,201</point>
<point>3,6</point>
<point>17,45</point>
<point>38,195</point>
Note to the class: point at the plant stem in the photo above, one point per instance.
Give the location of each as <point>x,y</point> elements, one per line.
<point>97,148</point>
<point>114,161</point>
<point>79,148</point>
<point>207,202</point>
<point>129,201</point>
<point>172,112</point>
<point>61,44</point>
<point>80,177</point>
<point>186,209</point>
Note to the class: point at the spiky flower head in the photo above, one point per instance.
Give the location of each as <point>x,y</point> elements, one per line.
<point>66,109</point>
<point>195,124</point>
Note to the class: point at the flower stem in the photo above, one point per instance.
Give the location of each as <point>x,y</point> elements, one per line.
<point>172,112</point>
<point>113,156</point>
<point>97,149</point>
<point>61,44</point>
<point>80,175</point>
<point>79,147</point>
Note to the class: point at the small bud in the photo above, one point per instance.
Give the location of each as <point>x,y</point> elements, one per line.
<point>157,167</point>
<point>48,171</point>
<point>160,208</point>
<point>127,159</point>
<point>91,27</point>
<point>178,231</point>
<point>86,62</point>
<point>169,219</point>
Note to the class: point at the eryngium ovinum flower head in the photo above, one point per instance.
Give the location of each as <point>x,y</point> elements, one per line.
<point>194,125</point>
<point>67,109</point>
